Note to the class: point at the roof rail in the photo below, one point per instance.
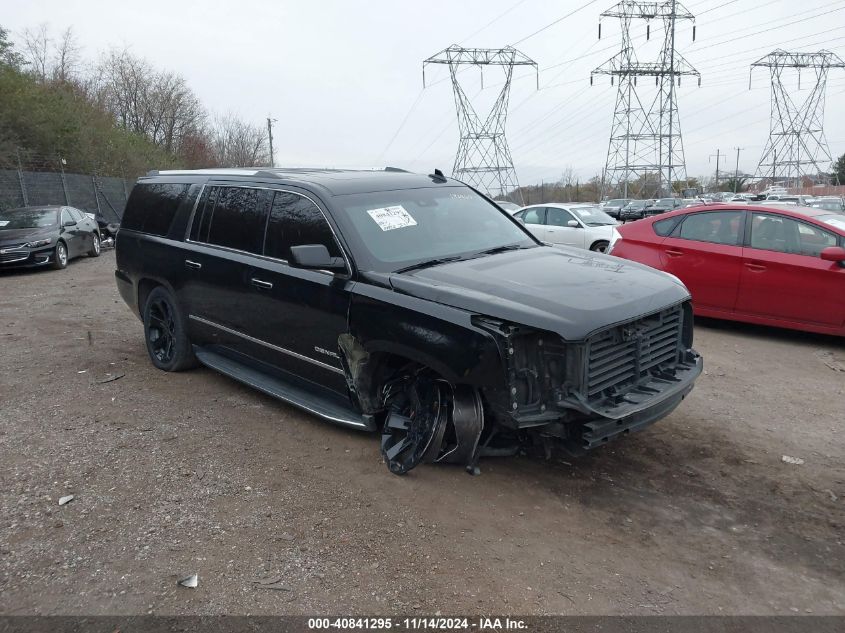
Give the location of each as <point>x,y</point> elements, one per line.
<point>399,169</point>
<point>152,172</point>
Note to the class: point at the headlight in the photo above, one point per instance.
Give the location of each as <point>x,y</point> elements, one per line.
<point>37,243</point>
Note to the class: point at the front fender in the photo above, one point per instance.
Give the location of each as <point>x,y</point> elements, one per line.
<point>434,335</point>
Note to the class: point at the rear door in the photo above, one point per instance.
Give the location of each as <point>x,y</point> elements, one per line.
<point>705,252</point>
<point>783,276</point>
<point>535,221</point>
<point>558,230</point>
<point>226,236</point>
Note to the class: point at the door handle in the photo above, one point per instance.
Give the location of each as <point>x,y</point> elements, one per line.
<point>191,264</point>
<point>673,253</point>
<point>757,268</point>
<point>260,283</point>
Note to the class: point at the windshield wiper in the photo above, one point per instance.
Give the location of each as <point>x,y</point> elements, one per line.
<point>428,263</point>
<point>500,249</point>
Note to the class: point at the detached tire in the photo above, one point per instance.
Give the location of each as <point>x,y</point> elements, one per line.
<point>96,246</point>
<point>600,246</point>
<point>60,256</point>
<point>165,333</point>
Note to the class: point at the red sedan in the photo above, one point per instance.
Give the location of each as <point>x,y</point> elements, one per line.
<point>780,267</point>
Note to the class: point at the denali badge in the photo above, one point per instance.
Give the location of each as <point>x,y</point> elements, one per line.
<point>326,352</point>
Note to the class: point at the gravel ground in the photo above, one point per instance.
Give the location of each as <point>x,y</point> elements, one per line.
<point>174,474</point>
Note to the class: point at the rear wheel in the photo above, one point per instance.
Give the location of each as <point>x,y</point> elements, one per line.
<point>60,256</point>
<point>165,332</point>
<point>600,246</point>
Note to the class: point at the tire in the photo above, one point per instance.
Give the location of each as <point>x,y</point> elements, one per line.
<point>165,334</point>
<point>96,246</point>
<point>600,246</point>
<point>60,257</point>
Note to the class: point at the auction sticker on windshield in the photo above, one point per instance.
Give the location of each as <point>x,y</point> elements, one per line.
<point>389,218</point>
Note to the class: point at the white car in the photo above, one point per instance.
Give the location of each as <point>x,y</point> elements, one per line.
<point>583,226</point>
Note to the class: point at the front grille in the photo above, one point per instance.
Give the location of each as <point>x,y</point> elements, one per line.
<point>14,256</point>
<point>618,357</point>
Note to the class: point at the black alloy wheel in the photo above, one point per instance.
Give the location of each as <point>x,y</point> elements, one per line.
<point>165,333</point>
<point>417,415</point>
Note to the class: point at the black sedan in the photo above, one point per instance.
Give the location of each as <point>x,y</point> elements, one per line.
<point>46,236</point>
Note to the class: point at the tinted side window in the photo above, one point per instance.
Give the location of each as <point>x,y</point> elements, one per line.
<point>238,219</point>
<point>721,227</point>
<point>534,216</point>
<point>76,214</point>
<point>66,216</point>
<point>151,207</point>
<point>294,221</point>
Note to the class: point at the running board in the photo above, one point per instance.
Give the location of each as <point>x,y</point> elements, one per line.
<point>277,388</point>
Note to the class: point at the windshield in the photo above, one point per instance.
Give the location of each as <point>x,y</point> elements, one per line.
<point>829,205</point>
<point>390,230</point>
<point>638,204</point>
<point>837,221</point>
<point>27,218</point>
<point>616,203</point>
<point>593,216</point>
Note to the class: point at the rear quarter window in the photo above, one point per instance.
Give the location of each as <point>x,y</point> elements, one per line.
<point>152,207</point>
<point>665,227</point>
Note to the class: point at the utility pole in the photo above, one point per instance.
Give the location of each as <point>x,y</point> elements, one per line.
<point>270,139</point>
<point>736,171</point>
<point>718,155</point>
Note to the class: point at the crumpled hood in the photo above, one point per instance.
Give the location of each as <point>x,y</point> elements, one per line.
<point>568,291</point>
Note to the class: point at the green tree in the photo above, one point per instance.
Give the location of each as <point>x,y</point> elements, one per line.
<point>838,168</point>
<point>8,55</point>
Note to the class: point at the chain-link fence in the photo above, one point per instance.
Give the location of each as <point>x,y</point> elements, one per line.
<point>39,180</point>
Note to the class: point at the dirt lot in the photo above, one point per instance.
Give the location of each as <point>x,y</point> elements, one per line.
<point>181,473</point>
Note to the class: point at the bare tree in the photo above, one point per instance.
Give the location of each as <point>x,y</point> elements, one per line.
<point>159,105</point>
<point>66,57</point>
<point>237,143</point>
<point>36,43</point>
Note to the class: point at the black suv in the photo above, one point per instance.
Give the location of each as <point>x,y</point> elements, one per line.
<point>404,303</point>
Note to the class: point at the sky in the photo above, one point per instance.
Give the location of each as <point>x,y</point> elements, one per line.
<point>344,81</point>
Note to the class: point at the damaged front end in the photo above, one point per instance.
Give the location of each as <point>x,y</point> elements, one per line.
<point>584,393</point>
<point>547,391</point>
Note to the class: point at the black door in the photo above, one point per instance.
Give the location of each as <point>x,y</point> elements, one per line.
<point>294,316</point>
<point>226,235</point>
<point>72,233</point>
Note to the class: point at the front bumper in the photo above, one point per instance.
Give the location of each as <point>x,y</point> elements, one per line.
<point>640,407</point>
<point>25,257</point>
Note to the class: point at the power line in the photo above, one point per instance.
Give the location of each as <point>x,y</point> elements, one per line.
<point>551,24</point>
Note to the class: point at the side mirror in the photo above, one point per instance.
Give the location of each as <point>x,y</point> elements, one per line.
<point>69,223</point>
<point>521,221</point>
<point>833,254</point>
<point>573,224</point>
<point>314,257</point>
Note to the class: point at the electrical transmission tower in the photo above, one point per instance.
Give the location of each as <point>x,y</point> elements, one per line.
<point>645,138</point>
<point>483,159</point>
<point>797,146</point>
